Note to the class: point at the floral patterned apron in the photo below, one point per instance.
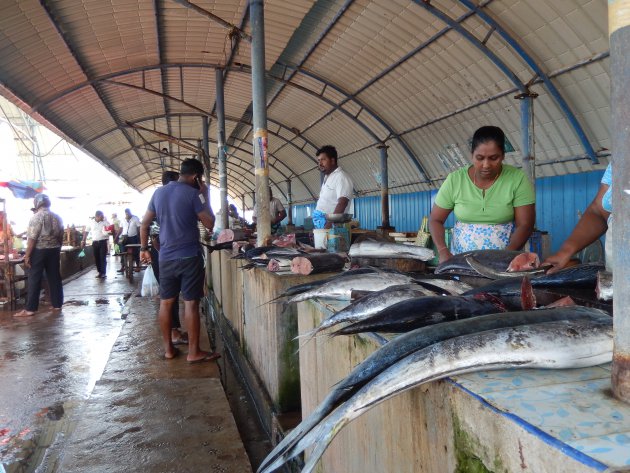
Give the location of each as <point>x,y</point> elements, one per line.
<point>480,236</point>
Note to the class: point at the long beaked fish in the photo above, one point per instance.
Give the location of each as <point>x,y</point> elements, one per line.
<point>342,288</point>
<point>370,304</point>
<point>491,273</point>
<point>421,311</point>
<point>498,260</point>
<point>549,345</point>
<point>380,249</point>
<point>415,340</point>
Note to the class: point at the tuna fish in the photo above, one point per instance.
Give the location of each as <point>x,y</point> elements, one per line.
<point>419,312</point>
<point>550,345</point>
<point>380,249</point>
<point>411,342</point>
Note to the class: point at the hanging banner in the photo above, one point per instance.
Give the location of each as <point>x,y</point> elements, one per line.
<point>260,152</point>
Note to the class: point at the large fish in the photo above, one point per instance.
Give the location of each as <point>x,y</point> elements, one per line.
<point>299,288</point>
<point>342,289</point>
<point>498,260</point>
<point>410,342</point>
<point>491,273</point>
<point>421,311</point>
<point>550,345</point>
<point>370,304</point>
<point>380,249</point>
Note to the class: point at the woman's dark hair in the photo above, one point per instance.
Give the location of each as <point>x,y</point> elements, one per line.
<point>329,151</point>
<point>191,167</point>
<point>488,133</point>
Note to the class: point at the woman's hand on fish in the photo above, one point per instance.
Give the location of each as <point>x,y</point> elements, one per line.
<point>557,261</point>
<point>444,254</point>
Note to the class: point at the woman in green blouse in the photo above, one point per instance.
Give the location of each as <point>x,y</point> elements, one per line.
<point>494,203</point>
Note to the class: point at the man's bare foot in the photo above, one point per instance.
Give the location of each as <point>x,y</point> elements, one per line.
<point>24,313</point>
<point>171,353</point>
<point>203,356</point>
<point>56,310</point>
<point>178,337</point>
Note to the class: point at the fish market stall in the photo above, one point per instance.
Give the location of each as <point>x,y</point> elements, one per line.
<point>259,335</point>
<point>508,420</point>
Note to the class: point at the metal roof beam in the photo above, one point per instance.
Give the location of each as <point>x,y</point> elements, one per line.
<point>159,31</point>
<point>233,29</point>
<point>537,68</point>
<point>68,43</point>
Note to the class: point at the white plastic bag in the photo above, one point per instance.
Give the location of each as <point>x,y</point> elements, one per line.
<point>150,285</point>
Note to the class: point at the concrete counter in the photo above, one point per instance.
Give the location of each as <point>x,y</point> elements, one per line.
<point>498,421</point>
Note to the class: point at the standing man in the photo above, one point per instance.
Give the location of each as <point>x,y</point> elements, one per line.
<point>337,189</point>
<point>177,207</point>
<point>43,249</point>
<point>115,230</point>
<point>277,211</point>
<point>130,233</point>
<point>100,236</point>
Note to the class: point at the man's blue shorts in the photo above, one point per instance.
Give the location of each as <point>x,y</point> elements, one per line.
<point>185,275</point>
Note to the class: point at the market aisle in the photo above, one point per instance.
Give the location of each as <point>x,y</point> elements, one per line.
<point>92,380</point>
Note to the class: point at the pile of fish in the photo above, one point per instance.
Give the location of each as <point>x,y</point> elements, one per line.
<point>447,328</point>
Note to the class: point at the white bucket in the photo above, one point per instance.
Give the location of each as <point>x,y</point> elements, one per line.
<point>320,238</point>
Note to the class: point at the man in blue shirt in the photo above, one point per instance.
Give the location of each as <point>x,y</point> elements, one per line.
<point>178,206</point>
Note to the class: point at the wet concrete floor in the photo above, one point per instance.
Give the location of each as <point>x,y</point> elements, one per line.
<point>88,390</point>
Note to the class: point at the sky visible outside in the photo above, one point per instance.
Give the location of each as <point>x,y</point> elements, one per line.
<point>77,184</point>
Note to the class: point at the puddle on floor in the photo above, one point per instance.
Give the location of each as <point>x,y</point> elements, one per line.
<point>38,449</point>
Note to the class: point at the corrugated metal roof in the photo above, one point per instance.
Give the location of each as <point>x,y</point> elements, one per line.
<point>116,77</point>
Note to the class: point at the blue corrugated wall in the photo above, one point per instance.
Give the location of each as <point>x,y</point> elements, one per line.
<point>558,201</point>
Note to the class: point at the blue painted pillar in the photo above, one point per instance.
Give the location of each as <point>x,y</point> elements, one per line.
<point>527,135</point>
<point>619,27</point>
<point>259,107</point>
<point>289,203</point>
<point>220,109</point>
<point>384,186</point>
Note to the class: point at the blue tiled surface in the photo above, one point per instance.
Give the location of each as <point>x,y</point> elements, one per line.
<point>572,406</point>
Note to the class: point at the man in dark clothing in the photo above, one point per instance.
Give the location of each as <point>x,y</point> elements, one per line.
<point>177,207</point>
<point>45,235</point>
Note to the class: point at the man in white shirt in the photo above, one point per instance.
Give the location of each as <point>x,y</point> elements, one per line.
<point>337,190</point>
<point>100,237</point>
<point>130,235</point>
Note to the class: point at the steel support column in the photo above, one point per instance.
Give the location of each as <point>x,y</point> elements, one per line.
<point>220,111</point>
<point>384,187</point>
<point>527,135</point>
<point>619,25</point>
<point>205,159</point>
<point>259,119</point>
<point>289,202</point>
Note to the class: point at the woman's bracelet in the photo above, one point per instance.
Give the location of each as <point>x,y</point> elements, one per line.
<point>442,248</point>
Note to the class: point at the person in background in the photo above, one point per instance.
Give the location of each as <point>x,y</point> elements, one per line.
<point>130,235</point>
<point>43,250</point>
<point>337,190</point>
<point>494,203</point>
<point>177,336</point>
<point>115,231</point>
<point>235,220</point>
<point>99,242</point>
<point>177,207</point>
<point>595,222</point>
<point>277,211</point>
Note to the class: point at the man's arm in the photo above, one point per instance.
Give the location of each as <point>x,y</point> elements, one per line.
<point>340,208</point>
<point>145,254</point>
<point>592,225</point>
